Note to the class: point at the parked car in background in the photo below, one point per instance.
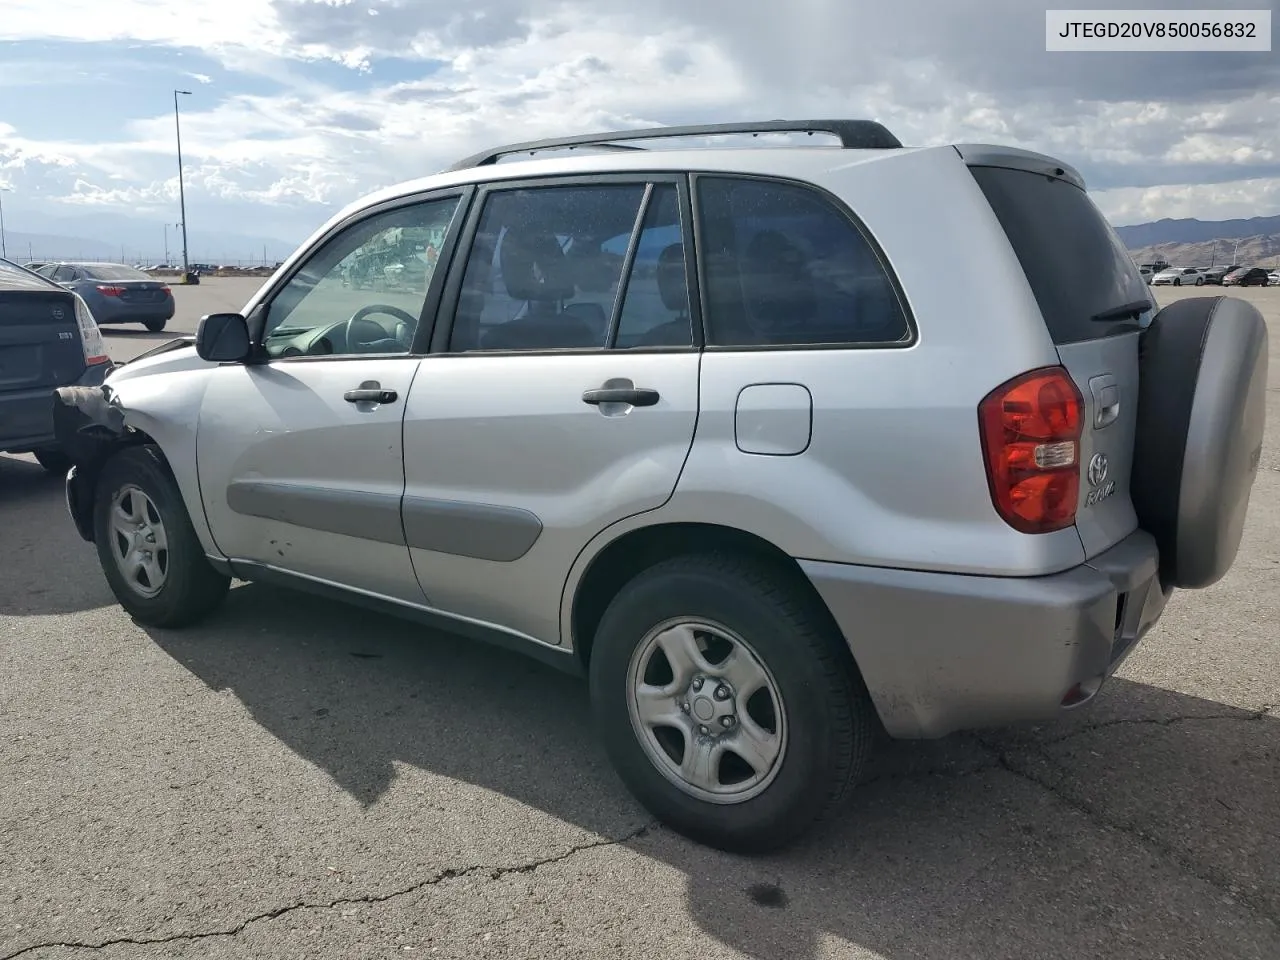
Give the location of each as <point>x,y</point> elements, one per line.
<point>610,426</point>
<point>1179,277</point>
<point>48,339</point>
<point>1273,279</point>
<point>116,293</point>
<point>34,264</point>
<point>1246,277</point>
<point>1214,275</point>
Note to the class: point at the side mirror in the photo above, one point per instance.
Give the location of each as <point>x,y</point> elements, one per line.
<point>223,338</point>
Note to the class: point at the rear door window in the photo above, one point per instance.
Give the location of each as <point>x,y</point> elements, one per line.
<point>1077,266</point>
<point>783,266</point>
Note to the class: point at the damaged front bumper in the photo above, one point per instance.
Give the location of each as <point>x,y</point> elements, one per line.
<point>86,423</point>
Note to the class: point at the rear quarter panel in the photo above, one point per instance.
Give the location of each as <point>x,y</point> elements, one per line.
<point>894,474</point>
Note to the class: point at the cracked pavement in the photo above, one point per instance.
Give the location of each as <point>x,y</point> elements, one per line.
<point>299,779</point>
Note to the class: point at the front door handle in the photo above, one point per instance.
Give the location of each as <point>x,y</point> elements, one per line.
<point>635,396</point>
<point>370,395</point>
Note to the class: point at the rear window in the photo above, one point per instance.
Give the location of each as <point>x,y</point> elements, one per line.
<point>1077,266</point>
<point>13,277</point>
<point>783,266</point>
<point>113,271</point>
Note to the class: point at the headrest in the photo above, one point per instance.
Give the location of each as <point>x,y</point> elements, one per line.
<point>534,268</point>
<point>673,286</point>
<point>777,280</point>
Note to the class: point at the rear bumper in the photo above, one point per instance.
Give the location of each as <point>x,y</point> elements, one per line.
<point>115,310</point>
<point>26,417</point>
<point>944,652</point>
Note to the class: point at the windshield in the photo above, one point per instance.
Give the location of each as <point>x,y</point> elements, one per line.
<point>112,271</point>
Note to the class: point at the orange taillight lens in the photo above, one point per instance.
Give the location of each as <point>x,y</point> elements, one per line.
<point>1030,429</point>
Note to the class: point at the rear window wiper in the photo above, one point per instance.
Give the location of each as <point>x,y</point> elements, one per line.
<point>1134,308</point>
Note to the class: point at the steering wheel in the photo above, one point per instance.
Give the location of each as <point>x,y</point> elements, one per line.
<point>362,316</point>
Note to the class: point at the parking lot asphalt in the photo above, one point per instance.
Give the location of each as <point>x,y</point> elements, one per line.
<point>297,779</point>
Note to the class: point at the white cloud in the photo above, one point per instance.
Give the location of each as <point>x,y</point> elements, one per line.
<point>518,69</point>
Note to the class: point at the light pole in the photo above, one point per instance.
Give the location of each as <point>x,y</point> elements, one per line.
<point>182,197</point>
<point>166,245</point>
<point>3,252</point>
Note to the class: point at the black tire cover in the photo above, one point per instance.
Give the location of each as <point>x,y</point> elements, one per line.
<point>1201,414</point>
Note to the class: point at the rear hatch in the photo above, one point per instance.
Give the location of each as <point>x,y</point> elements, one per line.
<point>1095,304</point>
<point>39,339</point>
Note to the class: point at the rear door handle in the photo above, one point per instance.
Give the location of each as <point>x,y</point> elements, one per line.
<point>635,396</point>
<point>370,395</point>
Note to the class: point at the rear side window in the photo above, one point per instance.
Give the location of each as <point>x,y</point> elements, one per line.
<point>783,266</point>
<point>1077,266</point>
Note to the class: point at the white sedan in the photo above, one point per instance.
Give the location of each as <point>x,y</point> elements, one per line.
<point>1178,276</point>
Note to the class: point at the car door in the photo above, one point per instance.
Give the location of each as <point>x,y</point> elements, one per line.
<point>300,457</point>
<point>561,394</point>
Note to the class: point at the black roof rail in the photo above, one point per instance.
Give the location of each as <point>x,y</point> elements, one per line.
<point>853,135</point>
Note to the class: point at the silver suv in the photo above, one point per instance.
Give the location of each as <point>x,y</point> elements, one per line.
<point>780,447</point>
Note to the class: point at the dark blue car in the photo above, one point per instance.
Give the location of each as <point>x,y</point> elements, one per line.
<point>116,293</point>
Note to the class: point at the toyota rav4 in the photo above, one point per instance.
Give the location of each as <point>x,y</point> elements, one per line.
<point>781,448</point>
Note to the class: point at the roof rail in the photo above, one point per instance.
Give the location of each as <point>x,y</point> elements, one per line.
<point>853,135</point>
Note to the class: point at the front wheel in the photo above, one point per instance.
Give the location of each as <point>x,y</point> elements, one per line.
<point>1177,283</point>
<point>149,551</point>
<point>729,704</point>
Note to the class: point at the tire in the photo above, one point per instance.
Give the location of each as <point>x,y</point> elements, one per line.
<point>154,326</point>
<point>825,728</point>
<point>1199,281</point>
<point>53,460</point>
<point>1177,282</point>
<point>188,587</point>
<point>1201,414</point>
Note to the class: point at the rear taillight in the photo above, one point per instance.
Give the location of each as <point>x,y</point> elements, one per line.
<point>107,290</point>
<point>166,291</point>
<point>1030,430</point>
<point>91,342</point>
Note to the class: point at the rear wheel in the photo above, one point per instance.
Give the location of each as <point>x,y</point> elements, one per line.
<point>149,551</point>
<point>728,702</point>
<point>1199,281</point>
<point>155,326</point>
<point>53,460</point>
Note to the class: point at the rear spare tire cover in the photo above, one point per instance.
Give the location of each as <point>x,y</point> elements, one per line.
<point>1201,413</point>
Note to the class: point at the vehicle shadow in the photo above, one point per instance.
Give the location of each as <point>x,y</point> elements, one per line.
<point>1104,835</point>
<point>47,569</point>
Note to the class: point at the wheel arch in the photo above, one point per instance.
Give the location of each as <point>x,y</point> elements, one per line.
<point>83,483</point>
<point>632,552</point>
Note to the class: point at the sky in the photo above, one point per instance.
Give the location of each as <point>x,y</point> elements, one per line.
<point>298,107</point>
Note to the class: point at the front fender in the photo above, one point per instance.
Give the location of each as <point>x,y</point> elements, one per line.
<point>88,423</point>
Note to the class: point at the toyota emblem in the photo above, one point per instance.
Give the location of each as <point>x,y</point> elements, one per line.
<point>58,313</point>
<point>1098,467</point>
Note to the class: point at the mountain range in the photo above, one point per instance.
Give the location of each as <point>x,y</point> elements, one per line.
<point>1203,243</point>
<point>102,236</point>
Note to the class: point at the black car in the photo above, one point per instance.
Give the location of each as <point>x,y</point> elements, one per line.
<point>48,339</point>
<point>1247,277</point>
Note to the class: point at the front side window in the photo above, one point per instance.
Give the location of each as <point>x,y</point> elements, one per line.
<point>364,290</point>
<point>783,266</point>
